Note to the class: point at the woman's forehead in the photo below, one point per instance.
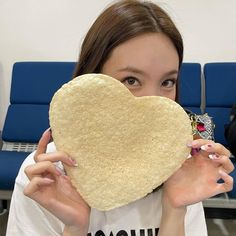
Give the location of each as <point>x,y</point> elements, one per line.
<point>145,52</point>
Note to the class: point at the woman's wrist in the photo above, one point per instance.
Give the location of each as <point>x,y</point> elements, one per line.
<point>173,213</point>
<point>169,209</point>
<point>172,220</point>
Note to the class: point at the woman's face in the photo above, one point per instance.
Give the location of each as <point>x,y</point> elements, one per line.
<point>147,65</point>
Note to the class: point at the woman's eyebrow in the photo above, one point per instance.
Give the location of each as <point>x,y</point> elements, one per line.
<point>138,71</point>
<point>172,72</point>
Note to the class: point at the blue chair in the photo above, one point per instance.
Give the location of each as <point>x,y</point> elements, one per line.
<point>32,87</point>
<point>220,89</point>
<point>220,82</point>
<point>190,87</point>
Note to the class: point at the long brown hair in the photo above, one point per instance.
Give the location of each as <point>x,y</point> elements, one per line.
<point>120,22</point>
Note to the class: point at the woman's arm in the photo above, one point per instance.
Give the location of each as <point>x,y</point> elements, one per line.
<point>172,220</point>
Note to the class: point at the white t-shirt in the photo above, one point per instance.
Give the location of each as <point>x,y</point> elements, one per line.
<point>140,218</point>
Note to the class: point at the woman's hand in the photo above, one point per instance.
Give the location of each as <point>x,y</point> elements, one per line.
<point>53,190</point>
<point>198,178</point>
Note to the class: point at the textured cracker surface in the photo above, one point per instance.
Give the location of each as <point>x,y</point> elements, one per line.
<point>125,146</point>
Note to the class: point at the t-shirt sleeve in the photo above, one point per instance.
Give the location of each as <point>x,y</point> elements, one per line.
<point>27,217</point>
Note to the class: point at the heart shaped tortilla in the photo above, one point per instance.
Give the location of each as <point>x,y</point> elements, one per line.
<point>125,146</point>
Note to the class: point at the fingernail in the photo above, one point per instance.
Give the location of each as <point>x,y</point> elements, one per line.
<point>189,144</point>
<point>47,133</point>
<point>73,162</point>
<point>189,156</point>
<point>214,156</point>
<point>194,143</point>
<point>206,147</point>
<point>47,130</point>
<point>59,171</point>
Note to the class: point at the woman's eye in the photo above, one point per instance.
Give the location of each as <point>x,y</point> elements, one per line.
<point>131,81</point>
<point>169,83</point>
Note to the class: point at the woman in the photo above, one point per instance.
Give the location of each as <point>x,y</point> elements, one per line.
<point>138,44</point>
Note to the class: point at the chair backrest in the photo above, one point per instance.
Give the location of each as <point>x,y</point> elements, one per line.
<point>32,87</point>
<point>190,87</point>
<point>220,89</point>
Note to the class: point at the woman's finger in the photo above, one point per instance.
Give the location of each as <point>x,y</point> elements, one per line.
<point>216,148</point>
<point>219,154</point>
<point>223,161</point>
<point>209,146</point>
<point>197,143</point>
<point>35,184</point>
<point>57,156</point>
<point>227,184</point>
<point>43,142</point>
<point>42,168</point>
